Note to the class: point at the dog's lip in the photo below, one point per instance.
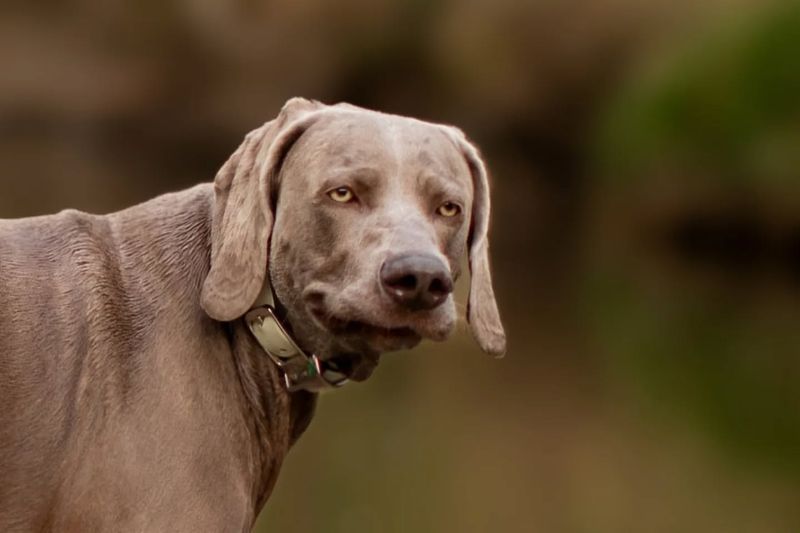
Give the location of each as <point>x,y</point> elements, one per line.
<point>355,327</point>
<point>364,341</point>
<point>366,337</point>
<point>362,328</point>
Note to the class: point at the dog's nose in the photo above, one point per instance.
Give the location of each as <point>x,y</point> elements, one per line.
<point>417,281</point>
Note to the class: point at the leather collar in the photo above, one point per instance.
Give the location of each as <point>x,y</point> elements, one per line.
<point>301,371</point>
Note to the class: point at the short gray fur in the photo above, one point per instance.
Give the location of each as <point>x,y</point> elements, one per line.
<point>134,398</point>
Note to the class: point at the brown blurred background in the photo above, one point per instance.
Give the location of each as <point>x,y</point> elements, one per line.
<point>646,237</point>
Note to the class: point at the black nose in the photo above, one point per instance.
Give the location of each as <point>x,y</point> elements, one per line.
<point>417,281</point>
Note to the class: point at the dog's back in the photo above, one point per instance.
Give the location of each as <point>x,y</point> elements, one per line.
<point>105,354</point>
<point>42,324</point>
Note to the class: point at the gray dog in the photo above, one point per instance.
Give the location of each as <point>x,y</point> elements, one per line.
<point>157,364</point>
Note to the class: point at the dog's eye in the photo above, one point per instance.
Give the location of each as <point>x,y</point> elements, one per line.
<point>342,195</point>
<point>449,209</point>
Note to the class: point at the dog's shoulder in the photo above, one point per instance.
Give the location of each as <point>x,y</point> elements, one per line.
<point>77,252</point>
<point>48,246</point>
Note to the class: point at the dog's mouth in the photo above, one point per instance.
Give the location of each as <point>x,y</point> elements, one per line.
<point>367,337</point>
<point>366,330</point>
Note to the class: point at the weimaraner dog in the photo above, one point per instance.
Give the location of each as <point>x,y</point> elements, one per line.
<point>157,364</point>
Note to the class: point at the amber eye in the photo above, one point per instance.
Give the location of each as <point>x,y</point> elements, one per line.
<point>342,195</point>
<point>448,209</point>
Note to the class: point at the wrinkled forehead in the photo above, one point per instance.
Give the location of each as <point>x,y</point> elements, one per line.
<point>396,146</point>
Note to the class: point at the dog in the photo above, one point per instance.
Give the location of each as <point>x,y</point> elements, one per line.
<point>156,364</point>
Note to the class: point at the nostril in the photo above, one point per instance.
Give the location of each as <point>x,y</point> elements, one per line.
<point>407,282</point>
<point>438,287</point>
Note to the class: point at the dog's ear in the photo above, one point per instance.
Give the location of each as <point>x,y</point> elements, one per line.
<point>482,313</point>
<point>242,218</point>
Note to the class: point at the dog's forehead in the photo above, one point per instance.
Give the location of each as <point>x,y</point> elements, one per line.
<point>352,137</point>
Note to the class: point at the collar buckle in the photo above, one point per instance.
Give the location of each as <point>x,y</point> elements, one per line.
<point>300,370</point>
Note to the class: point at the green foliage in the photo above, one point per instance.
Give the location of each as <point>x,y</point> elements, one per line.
<point>725,108</point>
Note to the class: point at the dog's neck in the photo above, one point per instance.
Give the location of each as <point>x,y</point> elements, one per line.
<point>177,233</point>
<point>278,417</point>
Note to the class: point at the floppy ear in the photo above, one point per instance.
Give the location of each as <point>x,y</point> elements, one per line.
<point>482,313</point>
<point>242,218</point>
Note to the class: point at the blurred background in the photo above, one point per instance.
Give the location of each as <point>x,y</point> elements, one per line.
<point>646,237</point>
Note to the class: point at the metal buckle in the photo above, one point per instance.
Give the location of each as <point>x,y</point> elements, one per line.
<point>300,370</point>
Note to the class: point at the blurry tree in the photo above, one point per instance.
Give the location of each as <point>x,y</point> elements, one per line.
<point>700,165</point>
<point>726,108</point>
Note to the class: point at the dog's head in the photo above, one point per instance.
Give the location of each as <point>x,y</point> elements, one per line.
<point>361,220</point>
